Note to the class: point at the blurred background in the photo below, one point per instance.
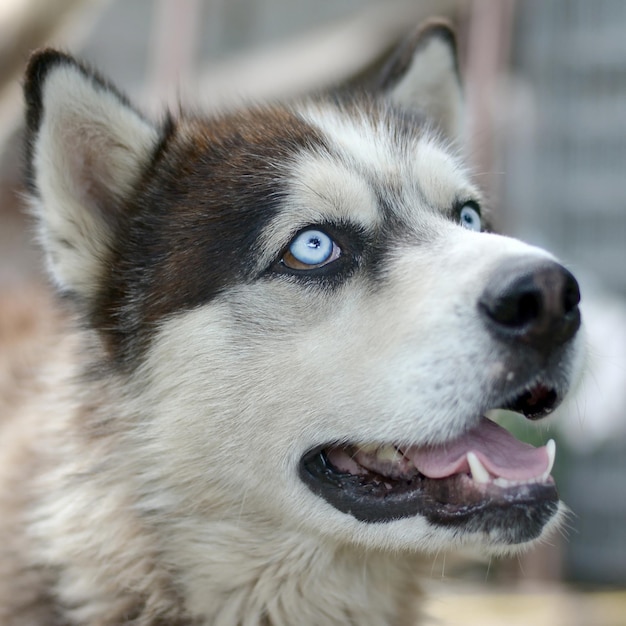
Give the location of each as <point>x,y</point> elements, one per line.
<point>546,135</point>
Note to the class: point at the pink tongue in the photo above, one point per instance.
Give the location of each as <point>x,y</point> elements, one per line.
<point>502,454</point>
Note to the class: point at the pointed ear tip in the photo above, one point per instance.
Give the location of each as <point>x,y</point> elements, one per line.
<point>438,28</point>
<point>42,60</point>
<point>40,63</point>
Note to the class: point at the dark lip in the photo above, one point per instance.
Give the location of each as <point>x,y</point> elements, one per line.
<point>531,372</point>
<point>519,512</point>
<point>534,400</point>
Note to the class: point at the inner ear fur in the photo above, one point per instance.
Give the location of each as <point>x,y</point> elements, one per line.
<point>422,74</point>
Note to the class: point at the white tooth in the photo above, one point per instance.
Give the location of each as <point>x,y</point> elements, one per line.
<point>384,453</point>
<point>479,473</point>
<point>388,453</point>
<point>503,482</point>
<point>551,448</point>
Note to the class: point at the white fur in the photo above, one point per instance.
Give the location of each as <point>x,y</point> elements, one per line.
<point>431,84</point>
<point>423,167</point>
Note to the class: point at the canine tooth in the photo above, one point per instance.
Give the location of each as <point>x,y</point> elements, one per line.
<point>479,473</point>
<point>551,448</point>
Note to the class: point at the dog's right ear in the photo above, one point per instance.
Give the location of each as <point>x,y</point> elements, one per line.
<point>86,150</point>
<point>423,74</point>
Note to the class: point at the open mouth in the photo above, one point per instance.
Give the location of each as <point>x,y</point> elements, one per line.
<point>485,480</point>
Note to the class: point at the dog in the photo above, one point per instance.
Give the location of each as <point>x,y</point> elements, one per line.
<point>284,329</point>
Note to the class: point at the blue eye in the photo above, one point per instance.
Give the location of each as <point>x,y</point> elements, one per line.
<point>470,217</point>
<point>310,249</point>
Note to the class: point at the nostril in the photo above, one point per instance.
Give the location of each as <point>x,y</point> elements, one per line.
<point>571,298</point>
<point>513,305</point>
<point>528,308</point>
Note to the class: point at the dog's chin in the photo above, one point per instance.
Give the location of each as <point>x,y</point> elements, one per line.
<point>483,482</point>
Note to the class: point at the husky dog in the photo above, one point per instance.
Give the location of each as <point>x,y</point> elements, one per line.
<point>284,328</point>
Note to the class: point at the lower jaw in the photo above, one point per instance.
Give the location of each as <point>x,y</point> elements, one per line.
<point>510,515</point>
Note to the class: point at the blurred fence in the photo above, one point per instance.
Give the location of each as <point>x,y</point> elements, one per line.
<point>566,171</point>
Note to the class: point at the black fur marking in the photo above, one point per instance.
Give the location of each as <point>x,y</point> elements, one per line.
<point>195,222</point>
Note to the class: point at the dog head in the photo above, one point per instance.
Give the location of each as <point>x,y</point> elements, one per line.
<point>302,307</point>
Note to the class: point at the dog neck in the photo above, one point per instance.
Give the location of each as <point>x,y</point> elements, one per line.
<point>238,573</point>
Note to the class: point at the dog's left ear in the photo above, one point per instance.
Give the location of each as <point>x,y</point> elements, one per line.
<point>87,149</point>
<point>423,74</point>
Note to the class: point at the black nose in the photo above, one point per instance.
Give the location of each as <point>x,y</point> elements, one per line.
<point>536,304</point>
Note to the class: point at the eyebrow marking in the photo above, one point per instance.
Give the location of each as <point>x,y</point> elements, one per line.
<point>320,190</point>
